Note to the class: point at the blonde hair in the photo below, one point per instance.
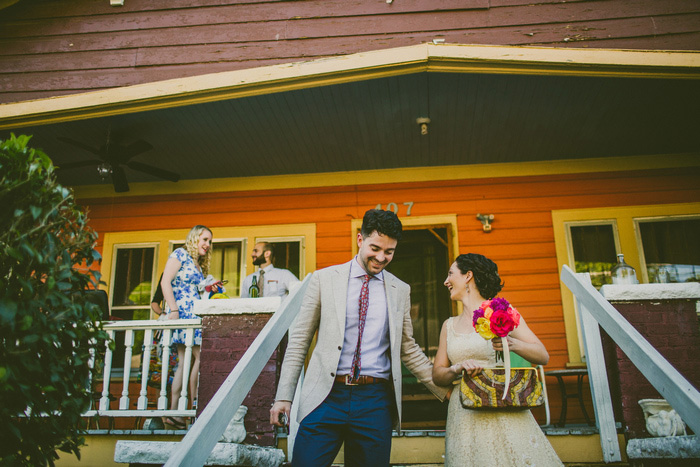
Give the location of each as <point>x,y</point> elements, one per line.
<point>191,247</point>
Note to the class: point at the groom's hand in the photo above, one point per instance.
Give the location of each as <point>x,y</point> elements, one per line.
<point>279,412</point>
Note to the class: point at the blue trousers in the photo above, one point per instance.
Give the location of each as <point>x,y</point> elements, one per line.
<point>360,416</point>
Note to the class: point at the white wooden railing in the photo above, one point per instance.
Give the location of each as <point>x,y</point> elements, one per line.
<point>149,327</point>
<point>594,310</point>
<point>201,438</point>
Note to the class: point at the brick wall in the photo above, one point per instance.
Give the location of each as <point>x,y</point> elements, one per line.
<point>225,338</point>
<point>671,326</point>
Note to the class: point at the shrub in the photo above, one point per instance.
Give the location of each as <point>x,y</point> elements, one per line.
<point>46,326</point>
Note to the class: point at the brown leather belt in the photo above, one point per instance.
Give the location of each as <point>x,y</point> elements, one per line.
<point>347,380</point>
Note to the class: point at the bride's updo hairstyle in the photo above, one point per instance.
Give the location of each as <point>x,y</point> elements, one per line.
<point>485,273</point>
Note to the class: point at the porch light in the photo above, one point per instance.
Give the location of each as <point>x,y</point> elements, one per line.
<point>486,221</point>
<point>423,123</point>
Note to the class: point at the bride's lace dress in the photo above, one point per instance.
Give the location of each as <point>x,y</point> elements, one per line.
<point>479,438</point>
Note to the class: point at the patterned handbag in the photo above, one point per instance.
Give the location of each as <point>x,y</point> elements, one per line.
<point>485,390</point>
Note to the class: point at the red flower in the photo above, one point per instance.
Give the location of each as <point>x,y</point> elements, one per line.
<point>502,322</point>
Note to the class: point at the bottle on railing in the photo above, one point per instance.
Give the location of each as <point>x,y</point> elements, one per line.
<point>623,273</point>
<point>254,290</point>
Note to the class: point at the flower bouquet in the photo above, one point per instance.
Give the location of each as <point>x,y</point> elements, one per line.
<point>496,318</point>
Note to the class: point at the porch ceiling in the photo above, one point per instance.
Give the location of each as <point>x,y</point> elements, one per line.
<point>475,118</point>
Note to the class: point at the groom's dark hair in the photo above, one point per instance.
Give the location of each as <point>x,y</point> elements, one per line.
<point>383,222</point>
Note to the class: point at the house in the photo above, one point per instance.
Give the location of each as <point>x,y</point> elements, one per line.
<point>536,134</point>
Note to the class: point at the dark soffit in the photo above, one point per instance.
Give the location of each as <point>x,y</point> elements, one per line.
<point>474,119</point>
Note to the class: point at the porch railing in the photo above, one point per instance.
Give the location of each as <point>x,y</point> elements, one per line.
<point>201,438</point>
<point>149,328</point>
<point>594,310</point>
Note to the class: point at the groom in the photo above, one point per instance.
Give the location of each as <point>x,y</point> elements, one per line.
<point>352,389</point>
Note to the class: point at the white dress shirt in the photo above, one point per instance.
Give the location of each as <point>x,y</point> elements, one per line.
<point>374,358</point>
<point>277,282</point>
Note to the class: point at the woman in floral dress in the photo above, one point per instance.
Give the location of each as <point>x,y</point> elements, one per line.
<point>183,278</point>
<point>485,437</point>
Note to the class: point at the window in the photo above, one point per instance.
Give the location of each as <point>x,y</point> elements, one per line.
<point>288,253</point>
<point>594,251</point>
<point>130,297</point>
<point>671,249</point>
<point>226,263</point>
<point>658,241</point>
<point>133,275</point>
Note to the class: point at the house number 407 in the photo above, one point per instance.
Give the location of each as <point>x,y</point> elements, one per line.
<point>395,207</point>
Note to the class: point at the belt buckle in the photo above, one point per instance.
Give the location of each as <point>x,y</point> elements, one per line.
<point>348,381</point>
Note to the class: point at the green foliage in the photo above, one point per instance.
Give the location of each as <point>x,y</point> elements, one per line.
<point>46,326</point>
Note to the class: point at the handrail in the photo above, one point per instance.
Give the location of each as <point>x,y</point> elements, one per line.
<point>198,443</point>
<point>671,384</point>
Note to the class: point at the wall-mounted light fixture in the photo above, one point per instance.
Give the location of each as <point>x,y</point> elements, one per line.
<point>486,221</point>
<point>423,124</point>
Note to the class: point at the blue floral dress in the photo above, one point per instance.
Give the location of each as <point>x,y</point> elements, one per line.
<point>186,290</point>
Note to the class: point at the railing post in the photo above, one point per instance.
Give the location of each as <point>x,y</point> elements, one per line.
<point>148,345</point>
<point>129,344</point>
<point>104,400</point>
<point>164,371</point>
<point>598,381</point>
<point>189,340</point>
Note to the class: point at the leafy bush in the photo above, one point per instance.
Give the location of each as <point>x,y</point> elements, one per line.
<point>46,326</point>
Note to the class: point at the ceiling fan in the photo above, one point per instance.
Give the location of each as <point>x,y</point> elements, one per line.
<point>112,156</point>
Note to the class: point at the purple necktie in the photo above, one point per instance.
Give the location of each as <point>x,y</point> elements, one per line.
<point>364,304</point>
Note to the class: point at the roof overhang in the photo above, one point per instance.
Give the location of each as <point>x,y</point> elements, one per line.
<point>343,76</point>
<point>351,68</point>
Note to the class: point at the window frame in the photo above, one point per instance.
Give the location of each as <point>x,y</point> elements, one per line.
<point>643,272</point>
<point>113,272</point>
<point>630,245</point>
<point>288,239</point>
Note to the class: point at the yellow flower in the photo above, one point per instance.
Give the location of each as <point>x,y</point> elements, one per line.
<point>484,329</point>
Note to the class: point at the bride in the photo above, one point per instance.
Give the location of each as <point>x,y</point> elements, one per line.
<point>485,437</point>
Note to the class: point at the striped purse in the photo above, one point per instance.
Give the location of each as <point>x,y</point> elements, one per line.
<point>485,390</point>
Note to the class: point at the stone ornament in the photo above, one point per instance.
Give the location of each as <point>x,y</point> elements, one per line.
<point>235,431</point>
<point>661,419</point>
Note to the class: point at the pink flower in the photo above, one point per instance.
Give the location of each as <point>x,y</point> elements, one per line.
<point>502,323</point>
<point>514,314</point>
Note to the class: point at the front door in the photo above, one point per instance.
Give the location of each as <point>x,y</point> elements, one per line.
<point>422,260</point>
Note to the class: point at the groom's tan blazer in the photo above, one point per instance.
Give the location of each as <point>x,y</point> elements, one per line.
<point>323,309</point>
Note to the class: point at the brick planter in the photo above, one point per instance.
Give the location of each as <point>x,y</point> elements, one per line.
<point>228,329</point>
<point>666,315</point>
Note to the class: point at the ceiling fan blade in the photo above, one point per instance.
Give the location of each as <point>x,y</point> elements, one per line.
<point>119,179</point>
<point>80,145</point>
<point>136,148</point>
<point>155,171</point>
<point>78,164</point>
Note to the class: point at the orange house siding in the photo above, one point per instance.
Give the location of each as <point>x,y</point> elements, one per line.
<point>521,242</point>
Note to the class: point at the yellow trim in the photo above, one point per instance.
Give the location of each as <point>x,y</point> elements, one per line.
<point>248,234</point>
<point>351,68</point>
<point>624,219</point>
<point>403,175</point>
